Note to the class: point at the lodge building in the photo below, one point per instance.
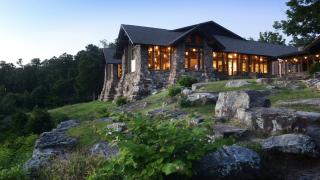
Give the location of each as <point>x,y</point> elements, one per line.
<point>146,58</point>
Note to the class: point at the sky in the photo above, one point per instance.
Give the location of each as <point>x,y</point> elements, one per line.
<point>46,28</point>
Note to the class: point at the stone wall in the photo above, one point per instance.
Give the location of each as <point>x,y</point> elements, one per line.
<point>177,64</point>
<point>110,82</point>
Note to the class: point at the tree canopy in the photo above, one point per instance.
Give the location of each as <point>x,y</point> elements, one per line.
<point>271,37</point>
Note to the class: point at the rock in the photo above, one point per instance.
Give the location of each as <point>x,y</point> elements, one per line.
<point>297,144</point>
<point>154,92</point>
<point>51,144</point>
<point>230,161</point>
<point>186,92</point>
<point>106,119</point>
<point>308,102</point>
<point>196,121</point>
<point>273,120</point>
<point>104,149</point>
<point>237,83</point>
<point>313,83</point>
<point>289,84</point>
<point>229,102</point>
<point>199,85</point>
<point>117,126</point>
<point>164,113</point>
<point>225,131</point>
<point>264,80</point>
<point>202,98</point>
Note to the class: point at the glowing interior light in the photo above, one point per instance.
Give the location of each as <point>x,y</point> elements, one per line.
<point>187,53</point>
<point>305,57</point>
<point>169,48</point>
<point>156,47</point>
<point>194,50</point>
<point>317,55</point>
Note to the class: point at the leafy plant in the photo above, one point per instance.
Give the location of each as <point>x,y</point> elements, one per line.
<point>155,149</point>
<point>184,102</point>
<point>187,81</point>
<point>40,121</point>
<point>314,68</point>
<point>173,90</point>
<point>121,101</point>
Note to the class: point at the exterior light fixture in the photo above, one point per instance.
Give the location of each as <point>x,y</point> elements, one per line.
<point>305,57</point>
<point>317,55</point>
<point>194,50</point>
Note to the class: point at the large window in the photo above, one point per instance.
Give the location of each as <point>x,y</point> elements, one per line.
<point>193,59</point>
<point>233,63</point>
<point>119,70</point>
<point>159,57</point>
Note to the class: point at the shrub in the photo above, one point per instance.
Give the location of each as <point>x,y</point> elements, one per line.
<point>121,101</point>
<point>40,121</point>
<point>155,150</point>
<point>187,81</point>
<point>315,68</point>
<point>183,102</point>
<point>174,90</point>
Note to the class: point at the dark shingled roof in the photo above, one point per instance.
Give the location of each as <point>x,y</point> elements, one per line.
<point>253,47</point>
<point>148,35</point>
<point>109,56</point>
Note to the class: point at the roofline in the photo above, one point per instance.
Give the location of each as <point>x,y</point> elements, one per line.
<point>126,33</point>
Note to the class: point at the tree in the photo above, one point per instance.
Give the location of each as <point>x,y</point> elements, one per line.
<point>271,37</point>
<point>90,67</point>
<point>106,44</point>
<point>40,121</point>
<point>303,21</point>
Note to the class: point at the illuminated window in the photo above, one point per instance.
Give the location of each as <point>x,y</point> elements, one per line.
<point>119,70</point>
<point>159,58</point>
<point>244,60</point>
<point>193,59</point>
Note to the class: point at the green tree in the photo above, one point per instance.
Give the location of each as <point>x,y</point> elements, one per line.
<point>90,67</point>
<point>271,37</point>
<point>40,121</point>
<point>303,21</point>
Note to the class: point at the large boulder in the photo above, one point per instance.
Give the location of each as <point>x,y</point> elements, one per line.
<point>226,131</point>
<point>274,120</point>
<point>230,161</point>
<point>202,98</point>
<point>237,83</point>
<point>51,144</point>
<point>229,102</point>
<point>264,80</point>
<point>197,86</point>
<point>104,150</point>
<point>297,144</point>
<point>186,92</point>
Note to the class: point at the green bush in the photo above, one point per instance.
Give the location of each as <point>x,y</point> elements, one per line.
<point>183,102</point>
<point>315,68</point>
<point>40,121</point>
<point>187,81</point>
<point>121,101</point>
<point>156,149</point>
<point>174,90</point>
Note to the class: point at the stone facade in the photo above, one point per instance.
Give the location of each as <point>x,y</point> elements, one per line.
<point>140,81</point>
<point>111,81</point>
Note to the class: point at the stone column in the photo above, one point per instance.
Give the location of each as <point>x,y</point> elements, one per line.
<point>177,63</point>
<point>207,60</point>
<point>141,57</point>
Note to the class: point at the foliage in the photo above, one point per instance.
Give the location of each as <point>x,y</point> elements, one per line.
<point>78,166</point>
<point>121,101</point>
<point>186,81</point>
<point>155,149</point>
<point>314,68</point>
<point>173,90</point>
<point>271,37</point>
<point>40,121</point>
<point>183,102</point>
<point>303,22</point>
<point>13,153</point>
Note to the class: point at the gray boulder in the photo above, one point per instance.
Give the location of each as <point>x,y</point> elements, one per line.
<point>51,144</point>
<point>237,83</point>
<point>196,121</point>
<point>197,86</point>
<point>202,98</point>
<point>264,80</point>
<point>104,149</point>
<point>229,102</point>
<point>230,161</point>
<point>186,92</point>
<point>225,131</point>
<point>274,120</point>
<point>297,144</point>
<point>117,126</point>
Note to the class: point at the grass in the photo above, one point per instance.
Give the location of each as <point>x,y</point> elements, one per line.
<point>220,86</point>
<point>82,111</point>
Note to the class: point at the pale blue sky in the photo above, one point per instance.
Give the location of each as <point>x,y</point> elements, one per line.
<point>46,28</point>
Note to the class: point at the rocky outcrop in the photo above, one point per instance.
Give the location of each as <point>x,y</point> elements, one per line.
<point>264,81</point>
<point>51,144</point>
<point>202,98</point>
<point>164,113</point>
<point>229,102</point>
<point>197,86</point>
<point>186,92</point>
<point>237,83</point>
<point>230,161</point>
<point>308,102</point>
<point>104,150</point>
<point>297,144</point>
<point>313,83</point>
<point>273,120</point>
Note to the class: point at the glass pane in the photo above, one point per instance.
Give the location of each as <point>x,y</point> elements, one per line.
<point>156,59</point>
<point>186,63</point>
<point>194,59</point>
<point>150,61</point>
<point>165,53</point>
